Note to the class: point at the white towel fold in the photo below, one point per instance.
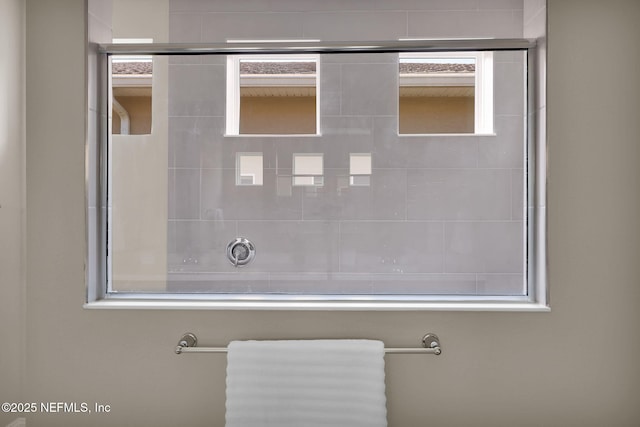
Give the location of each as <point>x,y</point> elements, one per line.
<point>337,383</point>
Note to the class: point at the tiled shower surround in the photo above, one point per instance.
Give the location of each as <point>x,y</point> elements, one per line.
<point>442,214</point>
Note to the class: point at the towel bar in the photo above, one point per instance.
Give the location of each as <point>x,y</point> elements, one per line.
<point>430,345</point>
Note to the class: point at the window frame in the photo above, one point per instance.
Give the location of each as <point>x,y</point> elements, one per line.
<point>535,182</point>
<point>483,87</point>
<point>131,82</point>
<point>232,104</point>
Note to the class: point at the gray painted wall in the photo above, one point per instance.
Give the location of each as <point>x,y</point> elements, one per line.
<point>498,369</point>
<point>12,208</point>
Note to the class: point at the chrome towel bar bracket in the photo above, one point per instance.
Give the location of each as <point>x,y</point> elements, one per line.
<point>430,345</point>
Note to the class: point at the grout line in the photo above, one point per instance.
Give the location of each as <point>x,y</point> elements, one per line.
<point>511,198</point>
<point>341,88</point>
<point>406,29</point>
<point>476,283</point>
<point>444,247</point>
<point>339,246</point>
<point>406,194</point>
<point>200,194</point>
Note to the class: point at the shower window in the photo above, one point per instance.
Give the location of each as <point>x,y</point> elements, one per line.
<point>132,78</point>
<point>445,92</point>
<point>272,95</point>
<point>358,216</point>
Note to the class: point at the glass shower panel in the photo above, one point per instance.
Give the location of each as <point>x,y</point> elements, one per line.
<point>359,209</point>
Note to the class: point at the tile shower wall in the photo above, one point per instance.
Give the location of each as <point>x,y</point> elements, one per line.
<point>442,214</point>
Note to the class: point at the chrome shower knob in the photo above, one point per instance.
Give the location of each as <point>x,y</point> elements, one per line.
<point>240,251</point>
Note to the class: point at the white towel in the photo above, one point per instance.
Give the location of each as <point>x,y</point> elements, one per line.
<point>337,383</point>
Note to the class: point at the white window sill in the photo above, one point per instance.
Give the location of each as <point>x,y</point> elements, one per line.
<point>194,304</point>
<point>278,135</point>
<point>444,134</point>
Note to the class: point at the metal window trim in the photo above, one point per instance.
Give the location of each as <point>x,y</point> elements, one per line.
<point>98,297</point>
<point>302,47</point>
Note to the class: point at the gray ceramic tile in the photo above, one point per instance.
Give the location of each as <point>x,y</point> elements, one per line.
<point>427,151</point>
<point>314,5</point>
<point>536,26</point>
<point>353,128</point>
<point>185,200</point>
<point>221,152</point>
<point>292,246</point>
<point>361,58</point>
<point>425,284</point>
<point>218,6</point>
<point>509,56</point>
<point>502,284</point>
<point>441,151</point>
<point>223,199</point>
<point>320,283</point>
<point>531,10</point>
<point>518,21</point>
<point>391,247</point>
<point>189,138</point>
<point>459,194</point>
<point>285,148</point>
<point>171,196</point>
<point>436,24</point>
<point>239,282</point>
<point>369,89</point>
<point>220,27</point>
<point>171,238</point>
<point>185,28</point>
<point>470,5</point>
<point>501,4</point>
<point>389,151</point>
<point>197,90</point>
<point>103,10</point>
<point>344,135</point>
<point>201,245</point>
<point>383,199</point>
<point>185,59</point>
<point>214,59</point>
<point>517,194</point>
<point>484,247</point>
<point>330,90</point>
<point>506,149</point>
<point>360,25</point>
<point>509,88</point>
<point>351,85</point>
